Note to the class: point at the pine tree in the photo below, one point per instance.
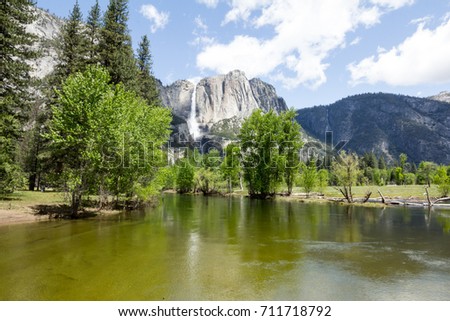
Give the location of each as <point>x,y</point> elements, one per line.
<point>115,45</point>
<point>72,51</point>
<point>14,91</point>
<point>147,82</point>
<point>382,163</point>
<point>93,27</point>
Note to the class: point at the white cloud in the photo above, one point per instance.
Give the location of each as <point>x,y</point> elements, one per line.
<point>355,41</point>
<point>203,41</point>
<point>304,33</point>
<point>159,19</point>
<point>392,4</point>
<point>209,3</point>
<point>422,58</point>
<point>199,24</point>
<point>421,21</point>
<point>242,9</point>
<point>201,34</point>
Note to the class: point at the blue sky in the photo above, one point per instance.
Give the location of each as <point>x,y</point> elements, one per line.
<point>313,51</point>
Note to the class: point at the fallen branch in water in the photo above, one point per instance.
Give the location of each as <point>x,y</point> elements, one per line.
<point>443,199</point>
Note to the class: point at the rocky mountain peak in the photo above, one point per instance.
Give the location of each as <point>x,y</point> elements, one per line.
<point>443,96</point>
<point>222,99</point>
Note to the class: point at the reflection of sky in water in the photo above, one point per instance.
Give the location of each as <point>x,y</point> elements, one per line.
<point>194,248</point>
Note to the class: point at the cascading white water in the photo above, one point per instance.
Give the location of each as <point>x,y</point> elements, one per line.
<point>194,129</point>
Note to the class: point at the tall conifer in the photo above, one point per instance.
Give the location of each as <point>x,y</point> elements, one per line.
<point>115,45</point>
<point>72,51</point>
<point>15,78</point>
<point>93,26</point>
<point>147,82</point>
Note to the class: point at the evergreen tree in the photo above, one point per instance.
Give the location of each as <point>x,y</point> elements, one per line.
<point>14,91</point>
<point>382,163</point>
<point>72,50</point>
<point>73,47</point>
<point>93,27</point>
<point>116,52</point>
<point>402,161</point>
<point>147,83</point>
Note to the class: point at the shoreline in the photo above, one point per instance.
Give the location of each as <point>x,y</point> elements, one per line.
<point>24,211</point>
<point>26,216</point>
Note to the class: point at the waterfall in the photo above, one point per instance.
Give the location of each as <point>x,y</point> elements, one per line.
<point>194,129</point>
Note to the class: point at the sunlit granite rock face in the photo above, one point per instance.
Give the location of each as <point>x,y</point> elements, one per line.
<point>221,99</point>
<point>47,28</point>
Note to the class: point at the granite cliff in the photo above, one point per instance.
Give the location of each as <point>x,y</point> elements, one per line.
<point>220,102</point>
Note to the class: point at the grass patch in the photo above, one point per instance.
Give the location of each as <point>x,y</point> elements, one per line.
<point>23,199</point>
<point>390,191</point>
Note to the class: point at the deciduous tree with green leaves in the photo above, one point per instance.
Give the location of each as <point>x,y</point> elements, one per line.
<point>207,178</point>
<point>105,137</point>
<point>185,176</point>
<point>308,176</point>
<point>231,166</point>
<point>346,170</point>
<point>426,172</point>
<point>265,138</point>
<point>290,144</point>
<point>443,180</point>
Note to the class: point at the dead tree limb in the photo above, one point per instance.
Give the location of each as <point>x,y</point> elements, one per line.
<point>367,196</point>
<point>428,197</point>
<point>382,197</point>
<point>443,199</point>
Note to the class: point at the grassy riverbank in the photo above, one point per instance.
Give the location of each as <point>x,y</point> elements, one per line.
<point>390,191</point>
<point>25,206</point>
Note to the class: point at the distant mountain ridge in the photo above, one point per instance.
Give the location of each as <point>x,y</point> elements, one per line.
<point>443,96</point>
<point>386,124</point>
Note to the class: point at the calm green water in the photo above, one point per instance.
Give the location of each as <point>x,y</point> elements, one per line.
<point>195,248</point>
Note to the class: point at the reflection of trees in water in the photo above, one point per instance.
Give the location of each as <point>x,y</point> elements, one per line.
<point>381,243</point>
<point>240,248</point>
<point>444,221</point>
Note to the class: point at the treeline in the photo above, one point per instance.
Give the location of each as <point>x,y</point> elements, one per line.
<point>267,161</point>
<point>95,125</point>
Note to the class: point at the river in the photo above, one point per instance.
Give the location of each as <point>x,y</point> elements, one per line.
<point>197,248</point>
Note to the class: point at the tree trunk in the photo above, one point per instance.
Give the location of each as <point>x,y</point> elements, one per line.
<point>32,182</point>
<point>428,197</point>
<point>75,203</point>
